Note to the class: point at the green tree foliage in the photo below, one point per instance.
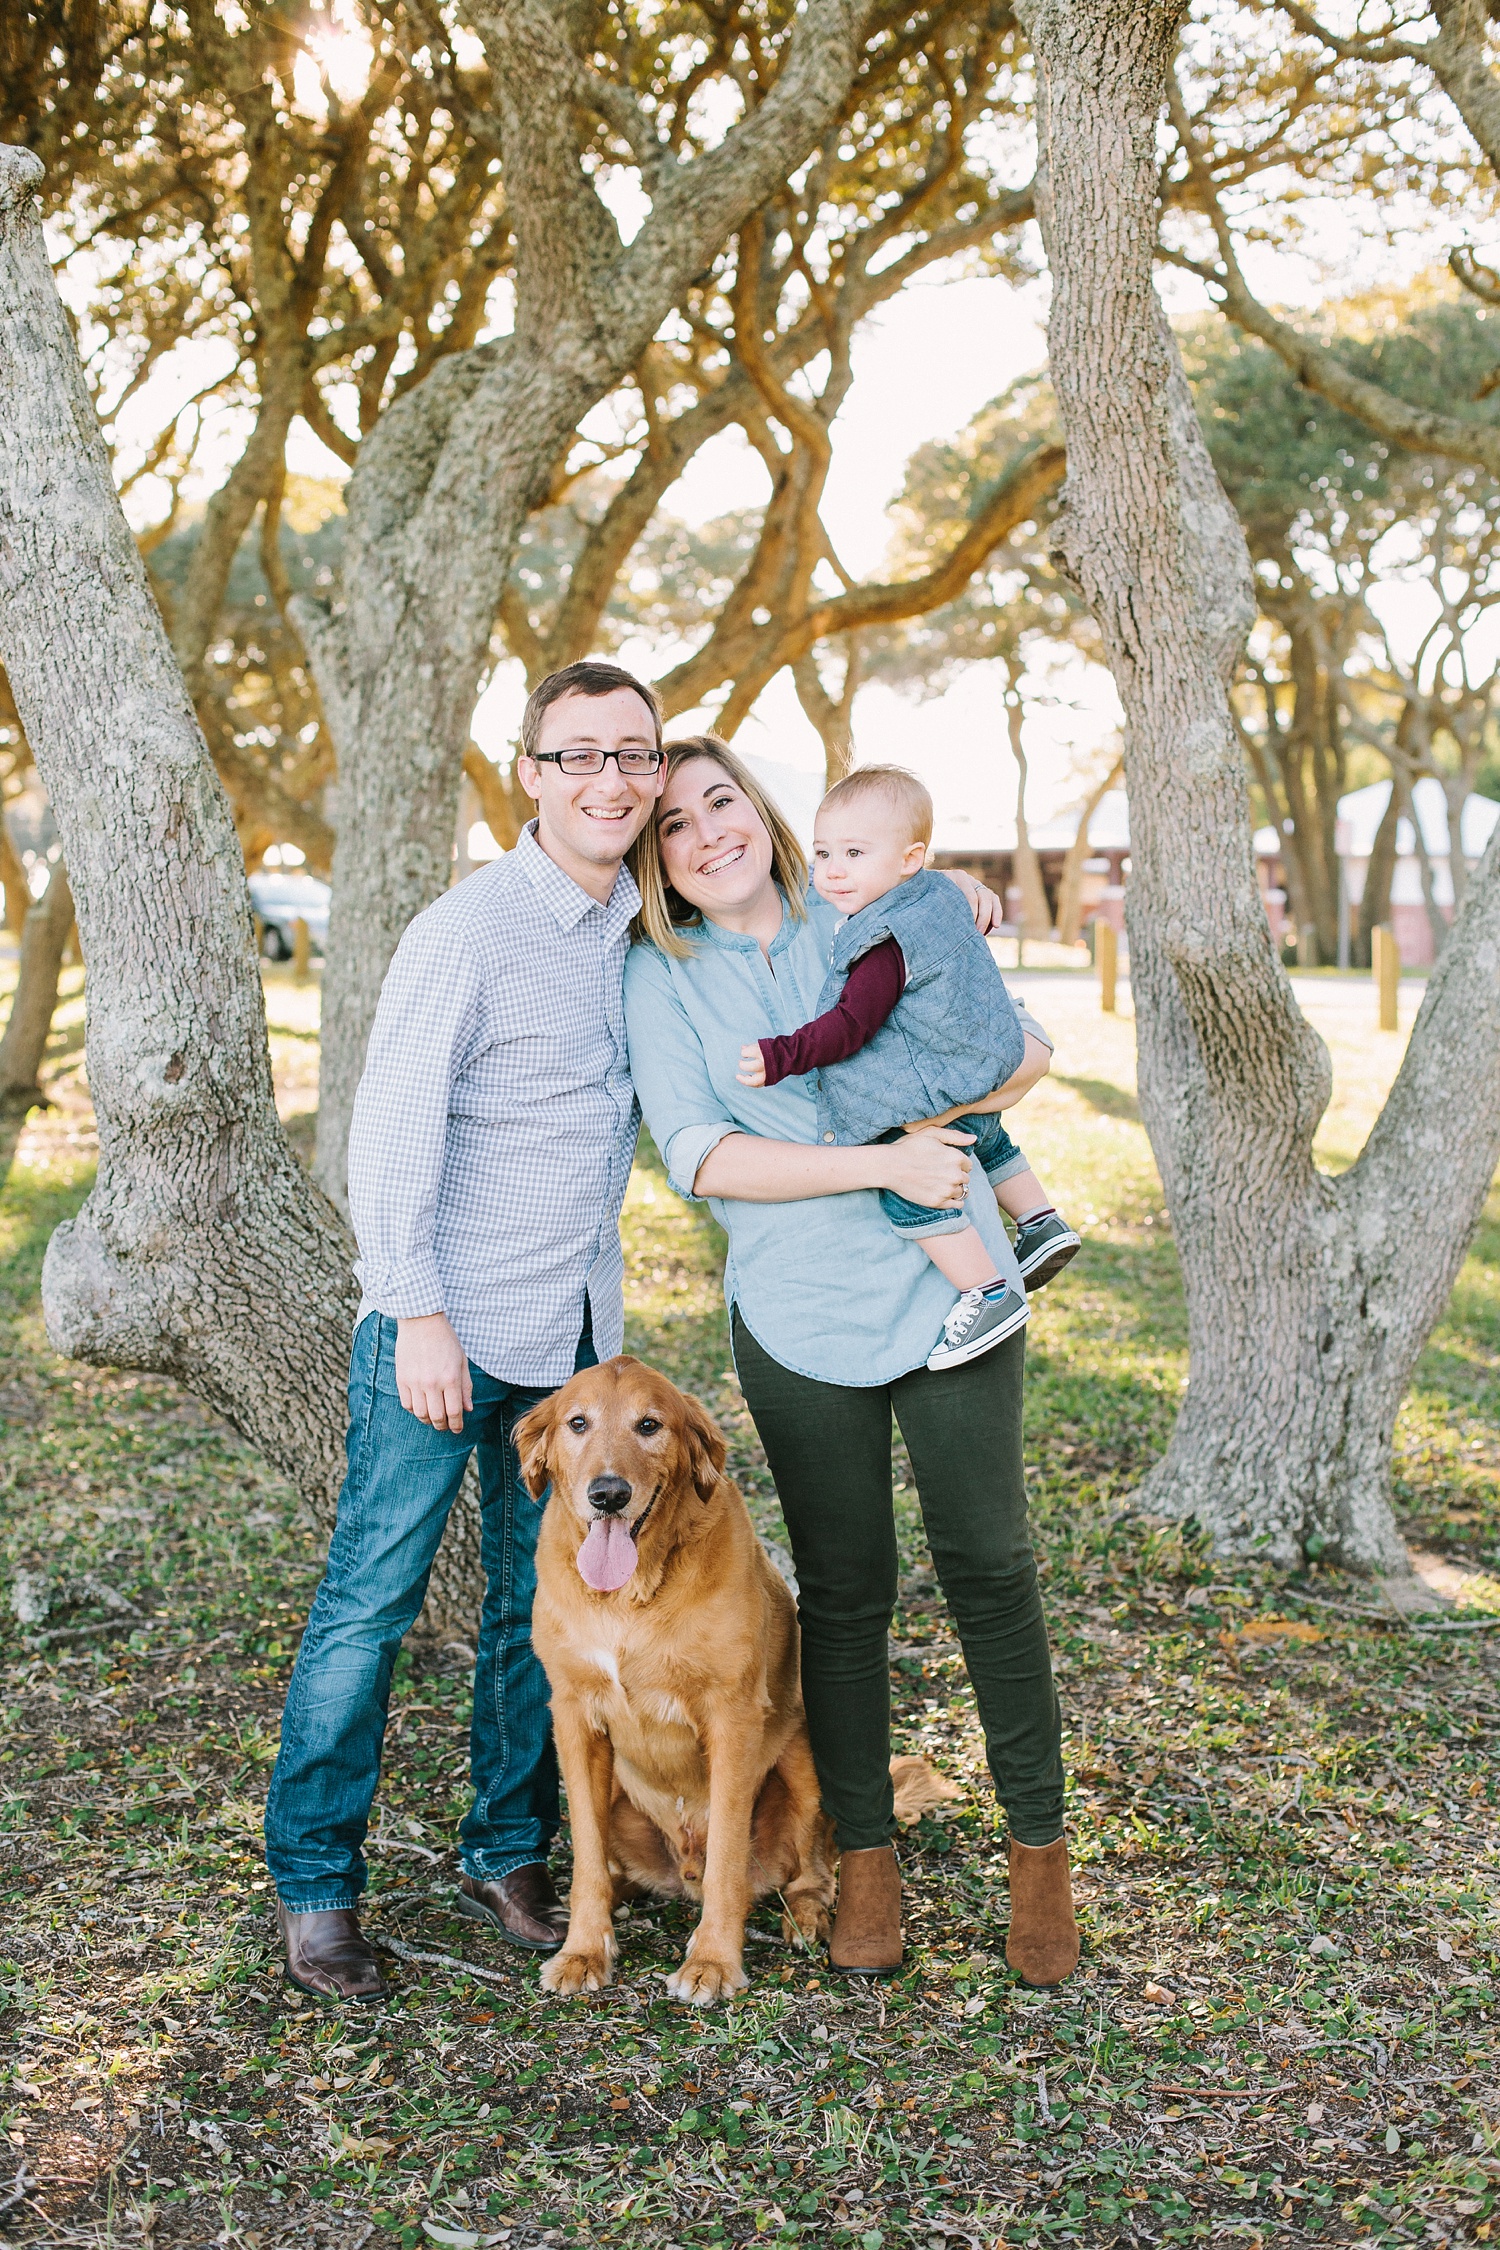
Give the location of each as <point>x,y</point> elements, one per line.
<point>274,754</point>
<point>1017,600</point>
<point>1335,514</point>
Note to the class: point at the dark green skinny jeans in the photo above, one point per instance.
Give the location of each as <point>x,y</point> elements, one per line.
<point>829,1447</point>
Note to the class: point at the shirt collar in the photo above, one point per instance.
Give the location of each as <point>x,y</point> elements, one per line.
<point>738,941</point>
<point>566,900</point>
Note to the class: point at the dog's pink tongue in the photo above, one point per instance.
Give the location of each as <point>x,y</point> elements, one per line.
<point>608,1556</point>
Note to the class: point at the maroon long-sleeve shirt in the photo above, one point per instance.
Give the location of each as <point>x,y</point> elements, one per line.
<point>871,989</point>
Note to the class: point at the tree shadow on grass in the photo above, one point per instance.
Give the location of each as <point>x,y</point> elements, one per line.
<point>13,1116</point>
<point>1106,1352</point>
<point>30,1209</point>
<point>1109,1100</point>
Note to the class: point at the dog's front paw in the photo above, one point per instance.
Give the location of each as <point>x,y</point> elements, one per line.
<point>804,1921</point>
<point>701,1980</point>
<point>584,1968</point>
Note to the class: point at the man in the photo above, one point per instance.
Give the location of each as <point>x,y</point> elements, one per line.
<point>489,1152</point>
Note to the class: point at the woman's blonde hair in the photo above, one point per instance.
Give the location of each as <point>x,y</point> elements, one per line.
<point>665,916</point>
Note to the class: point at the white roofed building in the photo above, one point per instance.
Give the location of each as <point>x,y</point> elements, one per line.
<point>992,858</point>
<point>1359,818</point>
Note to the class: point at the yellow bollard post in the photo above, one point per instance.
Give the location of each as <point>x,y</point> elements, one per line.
<point>1106,953</point>
<point>301,951</point>
<point>1386,962</point>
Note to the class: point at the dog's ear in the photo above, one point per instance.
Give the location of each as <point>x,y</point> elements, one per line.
<point>533,1439</point>
<point>706,1448</point>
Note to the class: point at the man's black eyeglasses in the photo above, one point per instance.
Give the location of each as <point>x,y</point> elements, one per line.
<point>592,761</point>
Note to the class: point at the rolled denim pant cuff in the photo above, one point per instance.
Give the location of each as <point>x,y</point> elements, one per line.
<point>951,1222</point>
<point>493,1867</point>
<point>1007,1168</point>
<point>322,1902</point>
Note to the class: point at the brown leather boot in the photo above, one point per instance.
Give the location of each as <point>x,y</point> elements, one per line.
<point>523,1906</point>
<point>1042,1946</point>
<point>329,1955</point>
<point>866,1939</point>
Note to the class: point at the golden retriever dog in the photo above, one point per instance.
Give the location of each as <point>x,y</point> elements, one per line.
<point>670,1642</point>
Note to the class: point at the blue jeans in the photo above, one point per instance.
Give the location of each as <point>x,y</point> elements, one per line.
<point>402,1480</point>
<point>994,1152</point>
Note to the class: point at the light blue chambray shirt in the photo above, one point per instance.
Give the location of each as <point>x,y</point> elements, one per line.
<point>825,1285</point>
<point>495,1123</point>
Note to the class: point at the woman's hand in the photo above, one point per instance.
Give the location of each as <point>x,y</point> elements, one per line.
<point>752,1070</point>
<point>985,904</point>
<point>930,1167</point>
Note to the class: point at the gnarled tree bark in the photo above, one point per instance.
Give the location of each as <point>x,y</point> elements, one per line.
<point>203,1251</point>
<point>1308,1297</point>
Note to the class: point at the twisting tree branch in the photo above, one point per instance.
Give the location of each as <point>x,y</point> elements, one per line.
<point>1418,428</point>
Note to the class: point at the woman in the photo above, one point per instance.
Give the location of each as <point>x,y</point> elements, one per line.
<point>832,1317</point>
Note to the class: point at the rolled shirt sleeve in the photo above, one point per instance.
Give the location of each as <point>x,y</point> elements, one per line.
<point>428,1018</point>
<point>682,1111</point>
<point>1029,1024</point>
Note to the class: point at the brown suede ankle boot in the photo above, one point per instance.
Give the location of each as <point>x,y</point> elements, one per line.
<point>866,1939</point>
<point>1042,1946</point>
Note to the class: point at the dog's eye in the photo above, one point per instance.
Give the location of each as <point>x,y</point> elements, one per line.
<point>578,1422</point>
<point>648,1425</point>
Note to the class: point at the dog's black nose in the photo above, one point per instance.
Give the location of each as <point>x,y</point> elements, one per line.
<point>608,1495</point>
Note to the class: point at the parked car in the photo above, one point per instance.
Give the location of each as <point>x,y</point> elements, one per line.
<point>282,897</point>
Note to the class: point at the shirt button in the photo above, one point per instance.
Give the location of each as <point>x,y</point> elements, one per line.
<point>828,1136</point>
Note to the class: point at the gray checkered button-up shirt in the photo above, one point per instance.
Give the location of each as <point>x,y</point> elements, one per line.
<point>495,1122</point>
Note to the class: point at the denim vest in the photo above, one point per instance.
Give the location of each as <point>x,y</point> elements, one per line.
<point>952,1037</point>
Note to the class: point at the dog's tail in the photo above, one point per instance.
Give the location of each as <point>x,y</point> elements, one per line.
<point>920,1788</point>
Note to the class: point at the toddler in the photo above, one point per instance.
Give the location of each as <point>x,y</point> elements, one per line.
<point>915,1020</point>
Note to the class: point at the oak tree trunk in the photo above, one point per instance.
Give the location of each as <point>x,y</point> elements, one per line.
<point>1375,903</point>
<point>1036,914</point>
<point>203,1251</point>
<point>18,899</point>
<point>1308,1297</point>
<point>44,940</point>
<point>443,485</point>
<point>1070,887</point>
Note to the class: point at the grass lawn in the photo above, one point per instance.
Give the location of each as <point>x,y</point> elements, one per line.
<point>1283,1819</point>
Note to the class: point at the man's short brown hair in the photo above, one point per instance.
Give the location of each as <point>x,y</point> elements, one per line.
<point>592,675</point>
<point>897,789</point>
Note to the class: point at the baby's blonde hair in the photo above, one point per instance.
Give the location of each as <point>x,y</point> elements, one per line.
<point>896,788</point>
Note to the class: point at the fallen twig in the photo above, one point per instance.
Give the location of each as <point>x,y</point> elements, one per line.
<point>1393,1620</point>
<point>1220,2093</point>
<point>1454,1625</point>
<point>85,1632</point>
<point>435,1960</point>
<point>17,2193</point>
<point>398,1844</point>
<point>1345,1609</point>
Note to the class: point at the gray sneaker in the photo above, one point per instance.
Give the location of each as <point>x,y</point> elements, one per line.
<point>1043,1250</point>
<point>976,1324</point>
